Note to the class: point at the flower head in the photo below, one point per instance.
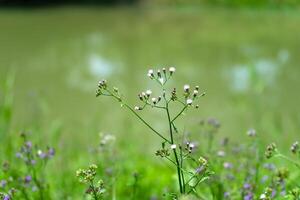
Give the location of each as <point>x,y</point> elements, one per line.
<point>172,70</point>
<point>189,102</point>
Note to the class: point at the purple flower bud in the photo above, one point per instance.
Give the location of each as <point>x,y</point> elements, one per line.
<point>227,165</point>
<point>28,144</point>
<point>32,162</point>
<point>6,197</point>
<point>18,155</point>
<point>27,179</point>
<point>3,183</point>
<point>226,195</point>
<point>247,186</point>
<point>51,152</point>
<point>248,196</point>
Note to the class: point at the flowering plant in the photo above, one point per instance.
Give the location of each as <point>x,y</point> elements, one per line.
<point>172,149</point>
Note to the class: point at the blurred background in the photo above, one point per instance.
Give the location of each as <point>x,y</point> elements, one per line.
<point>244,54</point>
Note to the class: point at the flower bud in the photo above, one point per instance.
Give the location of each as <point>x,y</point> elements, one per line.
<point>172,70</point>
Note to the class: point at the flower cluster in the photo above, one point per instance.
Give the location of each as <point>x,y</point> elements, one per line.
<point>270,150</point>
<point>161,76</point>
<point>295,148</point>
<point>88,176</point>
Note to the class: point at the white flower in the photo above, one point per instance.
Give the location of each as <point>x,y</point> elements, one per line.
<point>39,152</point>
<point>136,108</point>
<point>172,70</point>
<point>221,153</point>
<point>189,101</point>
<point>251,132</point>
<point>148,92</point>
<point>186,87</point>
<point>153,100</point>
<point>262,196</point>
<point>195,92</point>
<point>173,146</point>
<point>150,73</point>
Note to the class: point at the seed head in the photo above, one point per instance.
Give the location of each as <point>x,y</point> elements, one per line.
<point>172,70</point>
<point>195,93</point>
<point>158,73</point>
<point>137,108</point>
<point>189,102</point>
<point>251,132</point>
<point>186,88</point>
<point>148,93</point>
<point>270,150</point>
<point>151,73</point>
<point>154,100</point>
<point>295,147</point>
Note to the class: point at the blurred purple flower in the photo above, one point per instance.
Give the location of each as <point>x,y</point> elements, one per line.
<point>6,197</point>
<point>3,183</point>
<point>27,179</point>
<point>227,165</point>
<point>247,186</point>
<point>248,196</point>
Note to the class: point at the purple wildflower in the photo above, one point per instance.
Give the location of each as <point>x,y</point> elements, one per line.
<point>27,179</point>
<point>6,197</point>
<point>226,195</point>
<point>248,196</point>
<point>247,186</point>
<point>3,183</point>
<point>51,152</point>
<point>227,165</point>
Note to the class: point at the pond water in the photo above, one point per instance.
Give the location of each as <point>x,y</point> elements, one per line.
<point>247,61</point>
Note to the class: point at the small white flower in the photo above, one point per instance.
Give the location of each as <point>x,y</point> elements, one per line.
<point>262,196</point>
<point>173,146</point>
<point>153,100</point>
<point>150,73</point>
<point>172,70</point>
<point>189,101</point>
<point>221,153</point>
<point>251,132</point>
<point>39,152</point>
<point>186,87</point>
<point>148,92</point>
<point>136,108</point>
<point>143,94</point>
<point>195,92</point>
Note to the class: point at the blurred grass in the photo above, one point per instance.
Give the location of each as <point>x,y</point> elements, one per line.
<point>57,55</point>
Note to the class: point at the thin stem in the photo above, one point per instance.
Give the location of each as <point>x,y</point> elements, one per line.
<point>138,116</point>
<point>183,109</point>
<point>174,150</point>
<point>93,190</point>
<point>181,165</point>
<point>288,159</point>
<point>149,126</point>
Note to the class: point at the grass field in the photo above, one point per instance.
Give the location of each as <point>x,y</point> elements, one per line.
<point>51,59</point>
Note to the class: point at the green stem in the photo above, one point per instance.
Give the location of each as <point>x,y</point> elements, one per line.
<point>149,126</point>
<point>288,159</point>
<point>183,109</point>
<point>138,116</point>
<point>94,191</point>
<point>174,150</point>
